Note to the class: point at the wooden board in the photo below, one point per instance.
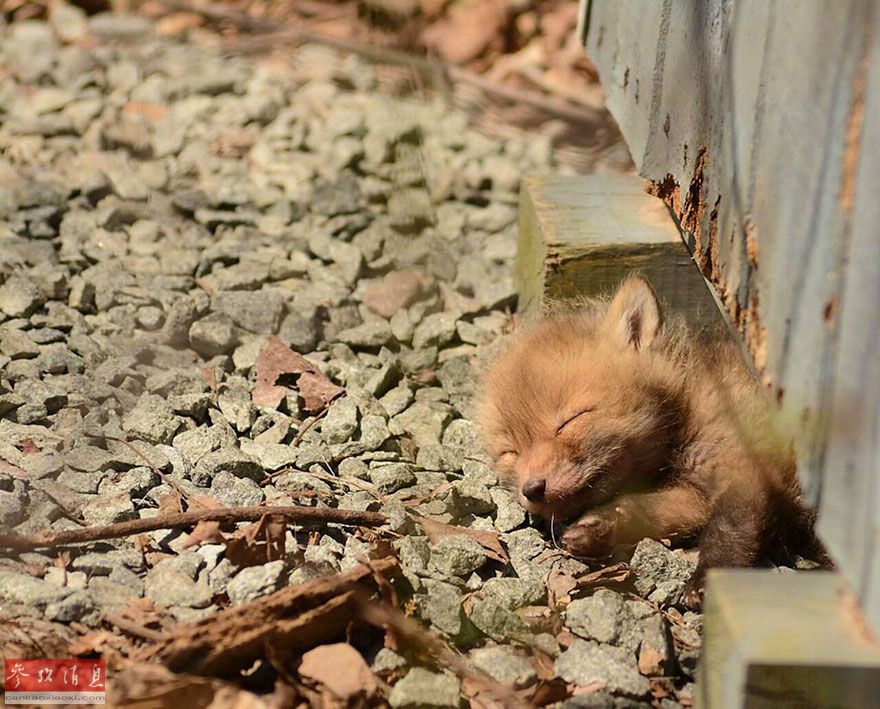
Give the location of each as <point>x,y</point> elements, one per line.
<point>580,236</point>
<point>760,126</point>
<point>784,639</point>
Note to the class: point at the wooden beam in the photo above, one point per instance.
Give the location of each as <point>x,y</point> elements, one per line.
<point>580,236</point>
<point>785,639</point>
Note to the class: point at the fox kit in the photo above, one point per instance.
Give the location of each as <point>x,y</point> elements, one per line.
<point>631,428</point>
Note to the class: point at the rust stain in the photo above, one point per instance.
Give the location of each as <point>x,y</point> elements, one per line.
<point>853,616</point>
<point>690,210</point>
<point>829,314</point>
<point>853,140</point>
<point>750,230</point>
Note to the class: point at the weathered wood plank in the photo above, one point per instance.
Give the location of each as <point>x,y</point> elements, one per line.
<point>754,135</point>
<point>807,647</point>
<point>580,236</point>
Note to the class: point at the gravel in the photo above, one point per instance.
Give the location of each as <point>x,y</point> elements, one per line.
<point>159,226</point>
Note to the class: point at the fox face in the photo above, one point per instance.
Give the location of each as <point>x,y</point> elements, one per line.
<point>582,405</point>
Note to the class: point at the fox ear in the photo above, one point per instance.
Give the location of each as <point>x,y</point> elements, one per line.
<point>634,316</point>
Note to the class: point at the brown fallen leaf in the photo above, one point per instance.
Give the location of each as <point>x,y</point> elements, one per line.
<point>341,669</point>
<point>560,585</point>
<point>590,688</point>
<point>549,692</point>
<point>27,446</point>
<point>276,359</point>
<point>490,541</point>
<point>468,31</point>
<point>205,532</point>
<point>258,543</point>
<point>650,660</point>
<point>177,23</point>
<point>600,577</point>
<point>317,391</point>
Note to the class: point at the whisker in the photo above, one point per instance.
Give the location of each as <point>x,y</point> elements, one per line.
<point>553,532</point>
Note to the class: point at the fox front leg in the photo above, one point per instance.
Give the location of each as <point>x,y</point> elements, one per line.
<point>673,511</point>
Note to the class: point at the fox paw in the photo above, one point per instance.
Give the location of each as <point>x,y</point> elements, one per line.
<point>591,537</point>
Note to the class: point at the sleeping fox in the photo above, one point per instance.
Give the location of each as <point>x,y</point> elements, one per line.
<point>630,427</point>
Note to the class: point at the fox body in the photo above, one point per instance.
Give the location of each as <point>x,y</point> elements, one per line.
<point>629,427</point>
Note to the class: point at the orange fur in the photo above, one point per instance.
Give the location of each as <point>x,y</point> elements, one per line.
<point>607,414</point>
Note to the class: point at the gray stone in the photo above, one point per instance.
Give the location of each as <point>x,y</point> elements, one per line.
<point>118,26</point>
<point>110,595</point>
<point>457,555</point>
<point>89,459</point>
<point>513,593</point>
<point>372,334</point>
<point>505,666</point>
<point>341,421</point>
<point>423,688</point>
<point>472,497</point>
<point>227,459</point>
<point>442,607</point>
<point>423,421</point>
<point>435,330</point>
<point>396,400</point>
<point>608,618</point>
<point>391,477</point>
<point>15,344</point>
<point>233,491</point>
<point>509,513</point>
<point>166,584</point>
<point>653,564</point>
<point>237,407</point>
<point>256,581</point>
<point>78,606</point>
<point>585,663</point>
<point>152,420</point>
<point>213,335</point>
<point>386,661</point>
<point>339,197</point>
<point>19,297</point>
<point>259,312</point>
<point>497,622</point>
<point>30,591</point>
<point>107,509</point>
<point>272,456</point>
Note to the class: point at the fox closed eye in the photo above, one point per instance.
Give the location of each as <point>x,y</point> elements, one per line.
<point>577,415</point>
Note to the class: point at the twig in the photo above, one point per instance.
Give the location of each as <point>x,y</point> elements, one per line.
<point>302,432</point>
<point>297,513</point>
<point>408,630</point>
<point>133,628</point>
<point>155,468</point>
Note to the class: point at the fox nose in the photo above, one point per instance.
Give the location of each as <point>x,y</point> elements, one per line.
<point>533,489</point>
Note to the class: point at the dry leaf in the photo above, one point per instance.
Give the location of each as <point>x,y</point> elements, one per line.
<point>258,543</point>
<point>560,585</point>
<point>27,446</point>
<point>590,688</point>
<point>549,692</point>
<point>150,111</point>
<point>341,669</point>
<point>490,541</point>
<point>276,359</point>
<point>650,660</point>
<point>601,577</point>
<point>317,391</point>
<point>468,31</point>
<point>178,22</point>
<point>205,532</point>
